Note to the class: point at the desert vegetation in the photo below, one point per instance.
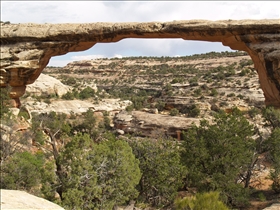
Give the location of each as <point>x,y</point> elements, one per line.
<point>80,162</point>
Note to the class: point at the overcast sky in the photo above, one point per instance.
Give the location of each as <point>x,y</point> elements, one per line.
<point>136,11</point>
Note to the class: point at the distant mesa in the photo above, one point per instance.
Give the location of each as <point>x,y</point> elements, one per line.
<point>27,48</point>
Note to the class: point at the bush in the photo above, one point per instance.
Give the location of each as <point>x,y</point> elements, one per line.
<point>201,201</point>
<point>230,95</point>
<point>194,111</point>
<point>197,92</point>
<point>177,80</point>
<point>217,154</point>
<point>47,101</point>
<point>86,93</point>
<point>129,108</point>
<point>161,168</point>
<point>101,175</point>
<point>214,92</point>
<point>4,101</point>
<point>191,111</point>
<point>68,96</point>
<point>272,117</point>
<point>240,96</point>
<point>253,112</point>
<point>244,72</point>
<point>22,171</point>
<point>70,81</point>
<point>160,105</point>
<point>174,112</point>
<point>273,146</point>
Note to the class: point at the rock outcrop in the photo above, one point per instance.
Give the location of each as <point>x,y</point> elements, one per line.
<point>27,48</point>
<point>152,125</point>
<point>275,206</point>
<point>47,85</point>
<point>76,106</point>
<point>15,199</point>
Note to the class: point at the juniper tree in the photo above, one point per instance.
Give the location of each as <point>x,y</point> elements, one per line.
<point>97,176</point>
<point>272,144</point>
<point>162,170</point>
<point>219,155</point>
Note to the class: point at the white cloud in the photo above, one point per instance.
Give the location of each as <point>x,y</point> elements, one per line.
<point>58,62</point>
<point>127,11</point>
<point>118,56</point>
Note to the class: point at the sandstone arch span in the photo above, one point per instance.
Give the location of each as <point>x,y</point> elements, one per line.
<point>27,48</point>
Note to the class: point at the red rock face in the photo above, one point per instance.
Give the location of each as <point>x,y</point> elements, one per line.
<point>27,48</point>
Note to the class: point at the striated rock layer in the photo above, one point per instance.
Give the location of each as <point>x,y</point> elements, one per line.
<point>27,48</point>
<point>151,124</point>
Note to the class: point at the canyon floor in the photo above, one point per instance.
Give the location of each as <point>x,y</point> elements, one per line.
<point>159,93</point>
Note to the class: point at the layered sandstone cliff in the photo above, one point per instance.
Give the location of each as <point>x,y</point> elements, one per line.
<point>27,48</point>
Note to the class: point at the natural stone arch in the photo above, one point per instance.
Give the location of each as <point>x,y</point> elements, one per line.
<point>27,48</point>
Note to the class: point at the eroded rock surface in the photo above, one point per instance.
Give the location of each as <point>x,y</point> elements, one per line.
<point>47,85</point>
<point>275,206</point>
<point>15,199</point>
<point>27,48</point>
<point>76,106</point>
<point>152,125</point>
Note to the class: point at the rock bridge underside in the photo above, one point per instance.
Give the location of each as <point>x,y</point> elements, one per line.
<point>27,48</point>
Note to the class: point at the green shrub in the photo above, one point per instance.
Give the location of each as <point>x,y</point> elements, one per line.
<point>174,112</point>
<point>244,72</point>
<point>24,114</point>
<point>69,81</point>
<point>230,95</point>
<point>217,154</point>
<point>22,171</point>
<point>273,146</point>
<point>161,168</point>
<point>47,101</point>
<point>101,175</point>
<point>230,72</point>
<point>86,93</point>
<point>240,96</point>
<point>177,80</point>
<point>129,108</point>
<point>68,96</point>
<point>4,102</point>
<point>160,105</point>
<point>238,82</point>
<point>253,112</point>
<point>203,201</point>
<point>214,92</point>
<point>191,110</point>
<point>194,111</point>
<point>197,92</point>
<point>262,197</point>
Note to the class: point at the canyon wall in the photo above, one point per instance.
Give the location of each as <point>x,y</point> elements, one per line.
<point>27,48</point>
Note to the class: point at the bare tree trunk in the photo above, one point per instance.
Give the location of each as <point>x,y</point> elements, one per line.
<point>59,169</point>
<point>250,169</point>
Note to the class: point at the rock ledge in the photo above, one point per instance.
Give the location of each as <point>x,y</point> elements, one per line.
<point>15,199</point>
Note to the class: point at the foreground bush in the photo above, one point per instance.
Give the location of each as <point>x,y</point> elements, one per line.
<point>22,171</point>
<point>162,171</point>
<point>96,176</point>
<point>201,201</point>
<point>219,154</point>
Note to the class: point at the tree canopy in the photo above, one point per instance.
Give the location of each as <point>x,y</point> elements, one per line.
<point>218,154</point>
